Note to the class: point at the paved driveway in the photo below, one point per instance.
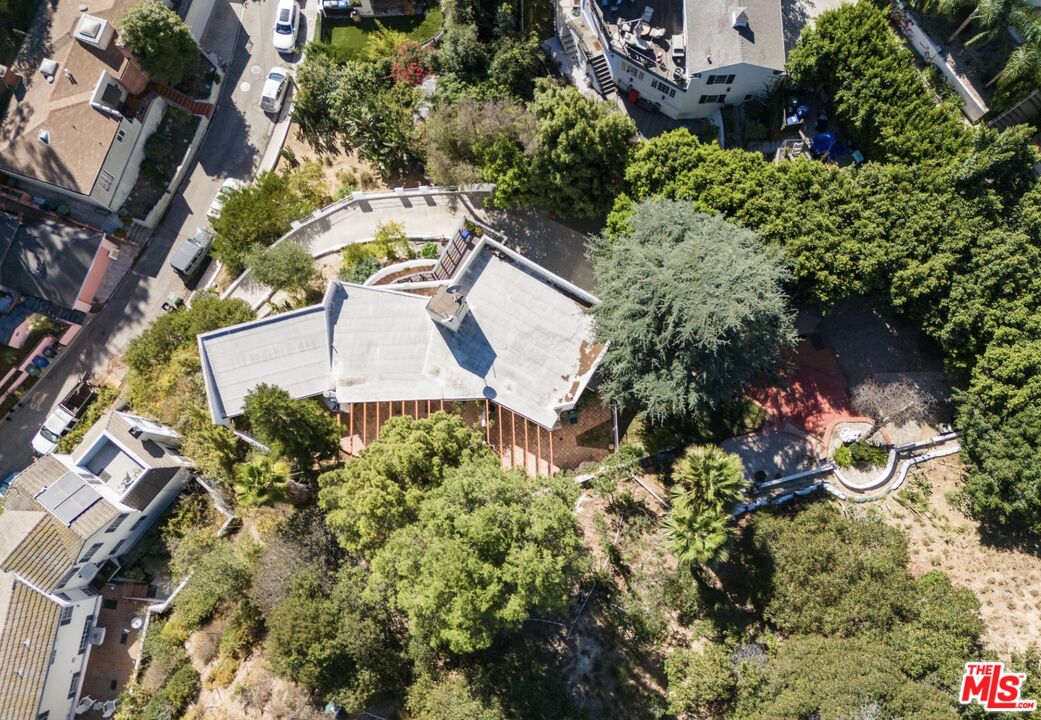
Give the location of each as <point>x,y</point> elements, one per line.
<point>240,33</point>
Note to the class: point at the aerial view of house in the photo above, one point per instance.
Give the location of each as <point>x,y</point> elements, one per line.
<point>67,519</point>
<point>520,360</point>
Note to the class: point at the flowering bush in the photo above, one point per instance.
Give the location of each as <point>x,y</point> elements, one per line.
<point>410,63</point>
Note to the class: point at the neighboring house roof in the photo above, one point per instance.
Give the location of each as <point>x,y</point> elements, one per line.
<point>47,259</point>
<point>162,464</point>
<point>28,624</point>
<point>713,42</point>
<point>526,342</point>
<point>79,136</point>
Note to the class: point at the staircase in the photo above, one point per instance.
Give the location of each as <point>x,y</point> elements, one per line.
<point>568,42</point>
<point>603,74</point>
<point>195,107</point>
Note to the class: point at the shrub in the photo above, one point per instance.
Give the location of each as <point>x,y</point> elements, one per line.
<point>224,572</point>
<point>359,270</point>
<point>860,453</point>
<point>101,402</point>
<point>429,251</point>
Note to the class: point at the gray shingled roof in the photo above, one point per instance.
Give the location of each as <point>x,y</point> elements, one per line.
<point>711,34</point>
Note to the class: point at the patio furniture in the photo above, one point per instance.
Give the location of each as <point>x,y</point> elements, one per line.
<point>648,11</point>
<point>86,703</point>
<point>108,709</point>
<point>657,33</point>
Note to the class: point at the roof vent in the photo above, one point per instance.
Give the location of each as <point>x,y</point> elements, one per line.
<point>740,18</point>
<point>44,137</point>
<point>94,31</point>
<point>49,68</point>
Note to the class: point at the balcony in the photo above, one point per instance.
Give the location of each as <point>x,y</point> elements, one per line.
<point>648,35</point>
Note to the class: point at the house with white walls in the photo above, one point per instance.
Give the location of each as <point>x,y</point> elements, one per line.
<point>67,520</point>
<point>683,58</point>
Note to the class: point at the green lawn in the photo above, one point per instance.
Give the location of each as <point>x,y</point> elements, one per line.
<point>350,37</point>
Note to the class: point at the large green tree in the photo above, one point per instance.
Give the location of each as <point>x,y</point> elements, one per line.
<point>161,41</point>
<point>692,307</point>
<point>172,331</point>
<point>488,550</point>
<point>877,92</point>
<point>262,212</point>
<point>302,430</point>
<point>575,163</point>
<point>375,494</point>
<point>285,266</point>
<point>331,639</point>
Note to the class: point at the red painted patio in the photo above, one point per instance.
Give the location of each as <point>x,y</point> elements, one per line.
<point>811,395</point>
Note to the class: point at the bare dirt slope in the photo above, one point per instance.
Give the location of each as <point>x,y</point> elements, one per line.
<point>1004,574</point>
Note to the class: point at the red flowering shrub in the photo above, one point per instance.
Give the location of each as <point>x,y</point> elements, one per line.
<point>410,63</point>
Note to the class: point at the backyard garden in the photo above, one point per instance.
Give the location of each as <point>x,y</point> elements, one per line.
<point>348,38</point>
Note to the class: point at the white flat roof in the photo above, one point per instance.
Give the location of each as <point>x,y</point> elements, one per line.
<point>527,343</point>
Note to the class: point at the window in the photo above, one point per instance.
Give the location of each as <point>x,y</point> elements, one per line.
<point>748,97</point>
<point>90,552</point>
<point>106,179</point>
<point>88,627</point>
<point>663,87</point>
<point>74,685</point>
<point>137,523</point>
<point>712,99</point>
<point>121,135</point>
<point>44,715</point>
<point>66,615</point>
<point>67,578</point>
<point>721,79</point>
<point>633,70</point>
<point>115,548</point>
<point>116,522</point>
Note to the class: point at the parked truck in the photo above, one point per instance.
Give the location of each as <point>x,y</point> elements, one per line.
<point>63,417</point>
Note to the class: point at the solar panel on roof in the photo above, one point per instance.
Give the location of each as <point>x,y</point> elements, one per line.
<point>68,498</point>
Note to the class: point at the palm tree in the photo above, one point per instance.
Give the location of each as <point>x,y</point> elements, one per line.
<point>260,480</point>
<point>697,534</point>
<point>712,476</point>
<point>709,483</point>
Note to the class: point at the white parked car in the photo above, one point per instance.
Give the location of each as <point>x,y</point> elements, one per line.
<point>287,25</point>
<point>227,188</point>
<point>66,414</point>
<point>274,93</point>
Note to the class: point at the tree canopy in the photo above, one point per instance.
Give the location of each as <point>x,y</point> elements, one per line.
<point>328,637</point>
<point>692,306</point>
<point>878,94</point>
<point>375,494</point>
<point>301,430</point>
<point>161,41</point>
<point>262,212</point>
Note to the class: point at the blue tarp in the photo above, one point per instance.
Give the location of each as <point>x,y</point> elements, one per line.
<point>822,143</point>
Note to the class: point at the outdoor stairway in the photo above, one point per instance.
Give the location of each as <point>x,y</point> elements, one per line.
<point>568,43</point>
<point>195,107</point>
<point>603,75</point>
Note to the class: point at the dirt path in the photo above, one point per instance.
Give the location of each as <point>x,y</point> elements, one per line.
<point>1006,579</point>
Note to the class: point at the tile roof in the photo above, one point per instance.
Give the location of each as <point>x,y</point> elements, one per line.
<point>28,624</point>
<point>79,135</point>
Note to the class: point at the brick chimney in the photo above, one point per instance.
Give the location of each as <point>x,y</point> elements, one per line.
<point>132,76</point>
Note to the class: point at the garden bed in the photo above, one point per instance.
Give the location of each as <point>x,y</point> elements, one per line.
<point>164,153</point>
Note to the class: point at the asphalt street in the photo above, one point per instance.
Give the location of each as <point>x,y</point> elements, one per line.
<point>240,33</point>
